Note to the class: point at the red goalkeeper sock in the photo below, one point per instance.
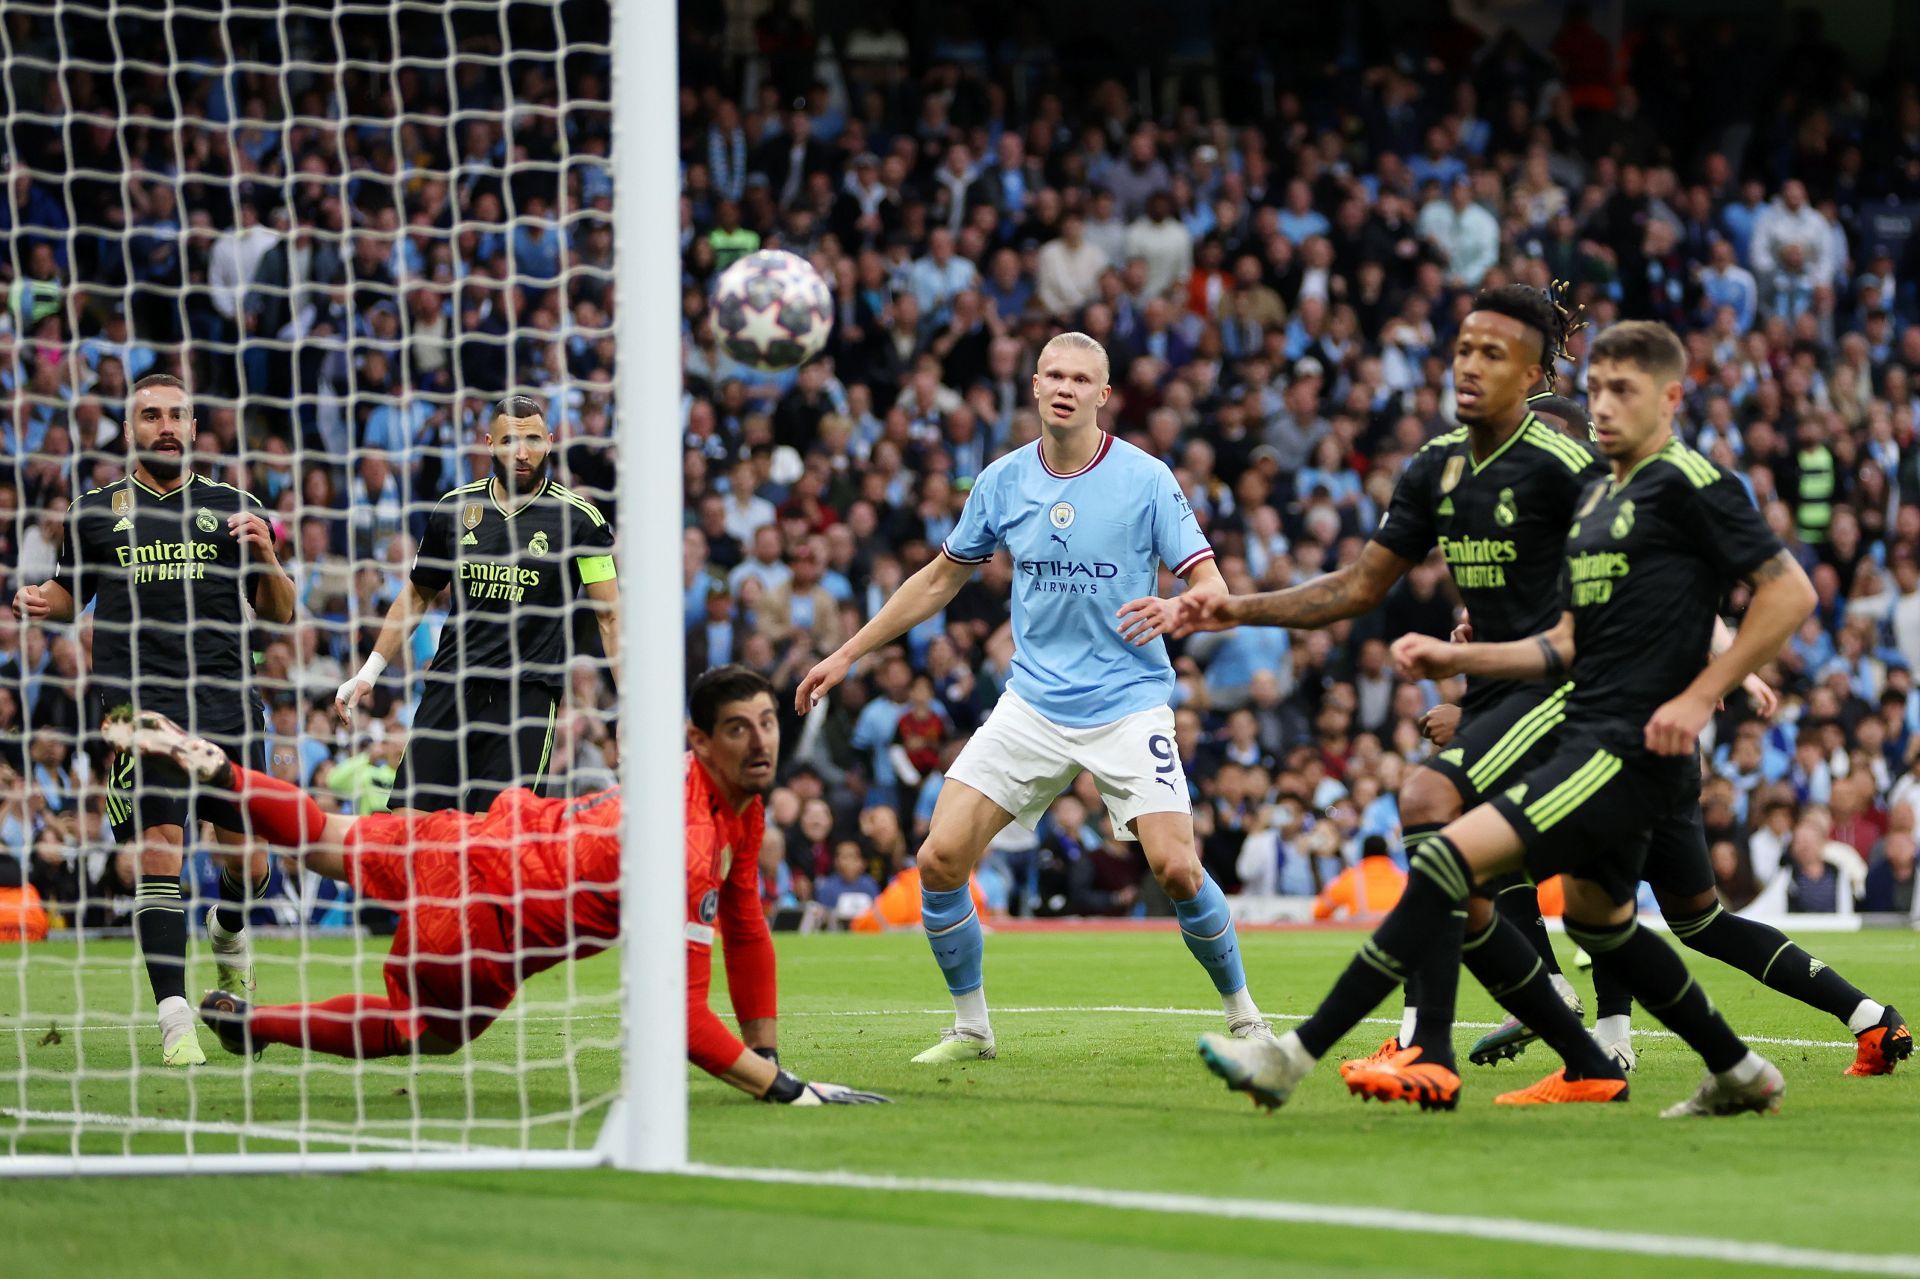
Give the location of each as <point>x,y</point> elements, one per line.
<point>280,812</point>
<point>359,1026</point>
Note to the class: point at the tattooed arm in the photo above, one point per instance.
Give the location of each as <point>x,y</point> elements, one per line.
<point>1782,598</point>
<point>1348,591</point>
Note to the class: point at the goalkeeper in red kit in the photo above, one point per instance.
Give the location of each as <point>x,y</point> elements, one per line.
<point>487,900</point>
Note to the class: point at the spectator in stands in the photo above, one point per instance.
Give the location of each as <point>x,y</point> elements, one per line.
<point>1070,268</point>
<point>1891,876</point>
<point>1465,235</point>
<point>1163,246</point>
<point>848,880</point>
<point>1366,891</point>
<point>1277,291</point>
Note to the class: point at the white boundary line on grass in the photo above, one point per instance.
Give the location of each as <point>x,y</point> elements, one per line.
<point>1285,1016</point>
<point>1500,1229</point>
<point>210,1128</point>
<point>91,1024</point>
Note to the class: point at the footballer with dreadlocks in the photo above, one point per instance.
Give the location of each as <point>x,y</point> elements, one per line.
<point>1496,496</point>
<point>1680,872</point>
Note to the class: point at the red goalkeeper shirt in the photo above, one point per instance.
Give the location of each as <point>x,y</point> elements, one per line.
<point>554,864</point>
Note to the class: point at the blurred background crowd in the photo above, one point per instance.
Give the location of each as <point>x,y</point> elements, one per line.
<point>1274,223</point>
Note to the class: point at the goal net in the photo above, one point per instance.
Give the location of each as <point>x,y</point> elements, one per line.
<point>355,232</point>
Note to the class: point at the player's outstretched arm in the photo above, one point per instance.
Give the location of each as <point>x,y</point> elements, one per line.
<point>1543,656</point>
<point>919,597</point>
<point>1782,599</point>
<point>712,1047</point>
<point>47,602</point>
<point>757,1077</point>
<point>1148,618</point>
<point>753,984</point>
<point>402,616</point>
<point>1348,591</point>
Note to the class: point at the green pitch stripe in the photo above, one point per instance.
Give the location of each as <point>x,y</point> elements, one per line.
<point>1563,799</point>
<point>1516,741</point>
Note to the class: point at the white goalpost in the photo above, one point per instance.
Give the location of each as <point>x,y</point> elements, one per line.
<point>587,1068</point>
<point>648,1127</point>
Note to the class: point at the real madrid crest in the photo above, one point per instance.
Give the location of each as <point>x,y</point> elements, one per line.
<point>206,521</point>
<point>1623,522</point>
<point>1449,478</point>
<point>123,501</point>
<point>538,546</point>
<point>1505,512</point>
<point>1061,516</point>
<point>470,514</point>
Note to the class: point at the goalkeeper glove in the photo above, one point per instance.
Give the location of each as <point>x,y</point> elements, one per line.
<point>789,1090</point>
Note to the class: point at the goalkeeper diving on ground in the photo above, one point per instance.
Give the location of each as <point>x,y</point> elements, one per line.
<point>487,900</point>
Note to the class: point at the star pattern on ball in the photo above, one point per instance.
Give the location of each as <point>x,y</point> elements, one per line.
<point>760,325</point>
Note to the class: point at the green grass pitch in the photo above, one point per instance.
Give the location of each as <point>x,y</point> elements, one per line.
<point>1082,1095</point>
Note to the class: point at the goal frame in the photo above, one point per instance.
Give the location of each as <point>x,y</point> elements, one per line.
<point>645,1129</point>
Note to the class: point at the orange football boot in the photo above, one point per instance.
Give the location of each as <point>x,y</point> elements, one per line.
<point>1557,1089</point>
<point>1403,1076</point>
<point>1878,1048</point>
<point>1384,1051</point>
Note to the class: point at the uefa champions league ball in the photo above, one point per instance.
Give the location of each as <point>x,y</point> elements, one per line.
<point>772,311</point>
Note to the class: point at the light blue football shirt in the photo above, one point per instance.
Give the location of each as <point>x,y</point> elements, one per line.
<point>1082,545</point>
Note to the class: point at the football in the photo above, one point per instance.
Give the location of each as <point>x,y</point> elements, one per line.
<point>772,310</point>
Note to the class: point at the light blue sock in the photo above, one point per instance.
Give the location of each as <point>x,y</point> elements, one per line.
<point>1206,925</point>
<point>953,930</point>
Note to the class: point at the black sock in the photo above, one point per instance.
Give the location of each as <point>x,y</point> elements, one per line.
<point>236,895</point>
<point>1611,998</point>
<point>1770,957</point>
<point>1653,971</point>
<point>1503,960</point>
<point>1411,994</point>
<point>1438,972</point>
<point>1521,903</point>
<point>160,921</point>
<point>1436,887</point>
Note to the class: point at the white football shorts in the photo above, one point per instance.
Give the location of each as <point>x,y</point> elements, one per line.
<point>1021,760</point>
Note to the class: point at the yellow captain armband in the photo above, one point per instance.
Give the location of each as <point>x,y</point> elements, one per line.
<point>596,568</point>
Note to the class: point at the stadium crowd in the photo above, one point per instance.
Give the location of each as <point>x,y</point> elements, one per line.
<point>1276,269</point>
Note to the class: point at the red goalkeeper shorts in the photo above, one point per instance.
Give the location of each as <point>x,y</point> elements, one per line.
<point>452,958</point>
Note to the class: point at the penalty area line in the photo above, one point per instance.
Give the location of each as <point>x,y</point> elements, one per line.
<point>1498,1229</point>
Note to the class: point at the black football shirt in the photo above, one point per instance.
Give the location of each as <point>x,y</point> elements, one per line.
<point>514,575</point>
<point>1649,559</point>
<point>170,589</point>
<point>1501,526</point>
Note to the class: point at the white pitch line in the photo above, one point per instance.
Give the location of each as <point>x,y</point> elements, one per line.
<point>153,1123</point>
<point>1285,1016</point>
<point>1500,1229</point>
<point>15,1023</point>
